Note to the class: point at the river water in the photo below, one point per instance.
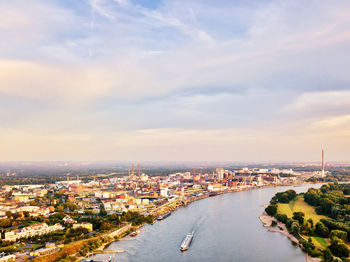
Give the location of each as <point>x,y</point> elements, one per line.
<point>227,228</point>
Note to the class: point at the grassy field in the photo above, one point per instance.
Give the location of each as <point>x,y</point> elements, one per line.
<point>298,205</point>
<point>321,241</point>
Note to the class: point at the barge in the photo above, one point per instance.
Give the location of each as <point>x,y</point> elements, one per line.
<point>161,217</point>
<point>186,242</point>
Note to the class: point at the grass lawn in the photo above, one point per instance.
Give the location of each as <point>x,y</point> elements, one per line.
<point>298,205</point>
<point>320,242</point>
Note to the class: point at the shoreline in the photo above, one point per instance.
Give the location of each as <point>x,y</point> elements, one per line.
<point>184,203</point>
<point>281,228</point>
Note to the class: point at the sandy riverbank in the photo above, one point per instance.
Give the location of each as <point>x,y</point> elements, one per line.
<point>281,228</point>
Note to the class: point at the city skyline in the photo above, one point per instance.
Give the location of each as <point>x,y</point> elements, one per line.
<point>174,80</point>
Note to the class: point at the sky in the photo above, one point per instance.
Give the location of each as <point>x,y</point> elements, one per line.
<point>174,80</point>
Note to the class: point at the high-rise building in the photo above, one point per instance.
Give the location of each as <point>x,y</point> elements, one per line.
<point>220,173</point>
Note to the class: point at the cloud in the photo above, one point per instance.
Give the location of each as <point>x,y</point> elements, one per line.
<point>97,6</point>
<point>321,103</point>
<point>45,81</point>
<point>178,75</point>
<point>334,122</point>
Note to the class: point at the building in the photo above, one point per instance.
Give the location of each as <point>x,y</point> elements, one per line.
<point>68,220</point>
<point>164,192</point>
<point>220,173</point>
<point>86,225</point>
<point>8,258</point>
<point>21,198</point>
<point>76,188</point>
<point>44,251</point>
<point>33,230</point>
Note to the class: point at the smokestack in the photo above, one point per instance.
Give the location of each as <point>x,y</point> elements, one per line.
<point>139,171</point>
<point>132,170</point>
<point>322,163</point>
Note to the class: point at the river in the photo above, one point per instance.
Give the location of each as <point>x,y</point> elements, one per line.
<point>227,228</point>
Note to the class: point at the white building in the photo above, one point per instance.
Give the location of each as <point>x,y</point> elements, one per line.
<point>164,192</point>
<point>33,230</point>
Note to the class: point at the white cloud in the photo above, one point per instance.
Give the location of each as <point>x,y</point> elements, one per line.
<point>97,6</point>
<point>185,62</point>
<point>54,82</point>
<point>334,122</point>
<point>321,100</point>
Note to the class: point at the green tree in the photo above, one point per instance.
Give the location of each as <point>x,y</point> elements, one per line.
<point>339,248</point>
<point>103,211</point>
<point>339,234</point>
<point>294,228</point>
<point>271,210</point>
<point>322,230</point>
<point>60,209</point>
<point>299,216</point>
<point>72,207</point>
<point>282,218</point>
<point>311,222</point>
<point>327,255</point>
<point>8,214</point>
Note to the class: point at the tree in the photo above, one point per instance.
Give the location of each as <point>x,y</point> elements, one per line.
<point>339,248</point>
<point>60,209</point>
<point>322,230</point>
<point>327,255</point>
<point>306,228</point>
<point>103,211</point>
<point>299,216</point>
<point>282,218</point>
<point>8,214</point>
<point>339,234</point>
<point>106,226</point>
<point>326,206</point>
<point>72,207</point>
<point>294,228</point>
<point>271,210</point>
<point>282,197</point>
<point>311,222</point>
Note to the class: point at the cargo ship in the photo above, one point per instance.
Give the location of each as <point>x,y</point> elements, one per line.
<point>161,217</point>
<point>186,242</point>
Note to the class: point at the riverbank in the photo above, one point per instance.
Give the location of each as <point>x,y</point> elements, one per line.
<point>119,233</point>
<point>177,203</point>
<point>281,228</point>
